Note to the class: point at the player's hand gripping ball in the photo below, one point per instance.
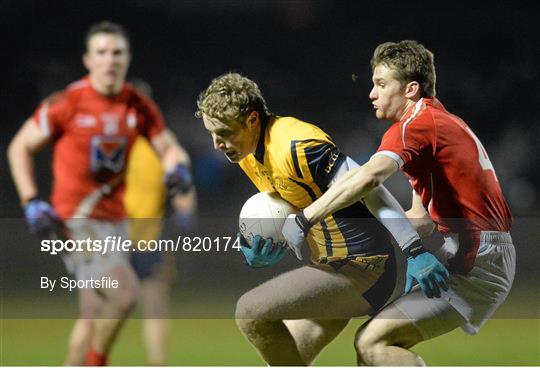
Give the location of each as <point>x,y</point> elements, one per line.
<point>262,252</point>
<point>264,214</point>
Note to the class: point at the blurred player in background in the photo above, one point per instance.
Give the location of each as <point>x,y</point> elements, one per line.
<point>145,201</point>
<point>292,317</point>
<point>92,125</point>
<point>454,185</point>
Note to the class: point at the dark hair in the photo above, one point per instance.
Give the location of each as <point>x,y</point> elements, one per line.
<point>106,27</point>
<point>411,61</point>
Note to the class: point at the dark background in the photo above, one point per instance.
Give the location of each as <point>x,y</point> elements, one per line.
<point>302,54</point>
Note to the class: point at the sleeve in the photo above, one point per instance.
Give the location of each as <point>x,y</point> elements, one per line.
<point>316,161</point>
<point>153,122</point>
<point>385,208</point>
<point>52,114</point>
<point>406,141</point>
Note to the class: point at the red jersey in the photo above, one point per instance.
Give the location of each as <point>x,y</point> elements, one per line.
<point>92,135</point>
<point>451,171</point>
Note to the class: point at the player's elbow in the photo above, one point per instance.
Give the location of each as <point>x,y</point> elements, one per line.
<point>14,150</point>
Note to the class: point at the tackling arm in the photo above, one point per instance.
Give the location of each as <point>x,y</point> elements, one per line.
<point>351,187</point>
<point>382,204</point>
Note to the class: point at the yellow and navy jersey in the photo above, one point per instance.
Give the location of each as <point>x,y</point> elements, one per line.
<point>297,160</point>
<point>145,194</point>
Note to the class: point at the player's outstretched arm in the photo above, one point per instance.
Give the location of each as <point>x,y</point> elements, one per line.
<point>22,148</point>
<point>348,189</point>
<point>351,187</point>
<point>385,208</point>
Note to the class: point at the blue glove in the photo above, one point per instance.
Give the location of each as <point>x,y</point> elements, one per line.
<point>295,230</point>
<point>184,221</point>
<point>423,267</point>
<point>41,217</point>
<point>262,253</point>
<point>178,180</point>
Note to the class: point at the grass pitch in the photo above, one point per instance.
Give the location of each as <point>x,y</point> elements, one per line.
<point>205,342</point>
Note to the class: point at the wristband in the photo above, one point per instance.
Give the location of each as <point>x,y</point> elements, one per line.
<point>414,249</point>
<point>25,201</point>
<point>303,223</point>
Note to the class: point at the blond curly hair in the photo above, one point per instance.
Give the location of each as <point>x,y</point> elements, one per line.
<point>230,97</point>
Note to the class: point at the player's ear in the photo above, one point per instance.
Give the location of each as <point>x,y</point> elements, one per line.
<point>412,90</point>
<point>253,119</point>
<point>86,60</point>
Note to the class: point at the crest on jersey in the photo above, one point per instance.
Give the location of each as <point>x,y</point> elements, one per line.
<point>131,120</point>
<point>107,155</point>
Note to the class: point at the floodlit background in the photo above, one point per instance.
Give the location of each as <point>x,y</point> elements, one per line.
<point>303,55</point>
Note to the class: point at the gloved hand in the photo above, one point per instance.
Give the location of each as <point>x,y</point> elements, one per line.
<point>42,218</point>
<point>261,253</point>
<point>423,267</point>
<point>295,230</point>
<point>178,179</point>
<point>185,222</point>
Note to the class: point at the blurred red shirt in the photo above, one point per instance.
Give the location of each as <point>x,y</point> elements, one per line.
<point>92,135</point>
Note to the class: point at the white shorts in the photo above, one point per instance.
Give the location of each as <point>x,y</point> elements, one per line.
<point>475,296</point>
<point>87,264</point>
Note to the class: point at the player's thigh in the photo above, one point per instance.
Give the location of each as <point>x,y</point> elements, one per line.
<point>90,303</point>
<point>307,292</point>
<point>411,319</point>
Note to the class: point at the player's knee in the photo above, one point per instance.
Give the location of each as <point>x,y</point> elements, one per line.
<point>128,301</point>
<point>124,299</point>
<point>367,345</point>
<point>248,308</point>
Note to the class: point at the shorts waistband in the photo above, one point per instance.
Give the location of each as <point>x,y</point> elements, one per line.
<point>491,237</point>
<point>495,237</point>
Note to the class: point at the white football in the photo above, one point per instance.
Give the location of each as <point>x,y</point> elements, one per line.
<point>264,214</point>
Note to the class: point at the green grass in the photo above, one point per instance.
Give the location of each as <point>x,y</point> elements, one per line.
<point>218,342</point>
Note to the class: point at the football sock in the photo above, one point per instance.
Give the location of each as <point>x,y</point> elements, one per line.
<point>95,359</point>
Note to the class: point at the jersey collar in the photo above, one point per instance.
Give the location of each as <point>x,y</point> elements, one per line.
<point>261,149</point>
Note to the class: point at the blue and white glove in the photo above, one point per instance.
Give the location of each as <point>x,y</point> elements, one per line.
<point>423,267</point>
<point>295,230</point>
<point>261,253</point>
<point>41,217</point>
<point>178,179</point>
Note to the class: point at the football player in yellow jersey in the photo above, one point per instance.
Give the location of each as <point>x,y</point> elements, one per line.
<point>292,317</point>
<point>145,204</point>
<point>145,200</point>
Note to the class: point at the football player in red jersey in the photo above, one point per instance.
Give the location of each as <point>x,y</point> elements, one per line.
<point>455,186</point>
<point>92,125</point>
